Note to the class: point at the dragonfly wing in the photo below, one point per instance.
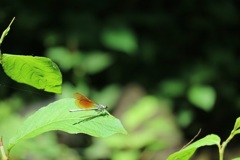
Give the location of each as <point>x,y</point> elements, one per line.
<point>83,102</point>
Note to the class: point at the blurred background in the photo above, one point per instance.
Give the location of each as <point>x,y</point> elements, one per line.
<point>164,68</point>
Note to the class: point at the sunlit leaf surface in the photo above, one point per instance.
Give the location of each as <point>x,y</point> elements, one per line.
<point>187,152</point>
<point>56,116</point>
<point>39,72</point>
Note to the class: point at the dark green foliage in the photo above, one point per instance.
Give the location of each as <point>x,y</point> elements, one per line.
<point>185,52</point>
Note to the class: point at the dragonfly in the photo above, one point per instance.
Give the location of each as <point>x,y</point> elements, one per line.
<point>86,104</point>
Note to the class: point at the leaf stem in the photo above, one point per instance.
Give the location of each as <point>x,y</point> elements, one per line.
<point>4,157</point>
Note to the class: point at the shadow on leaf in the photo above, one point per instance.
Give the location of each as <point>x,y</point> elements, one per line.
<point>91,118</point>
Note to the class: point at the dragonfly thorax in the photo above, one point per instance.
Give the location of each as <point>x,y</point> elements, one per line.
<point>101,107</point>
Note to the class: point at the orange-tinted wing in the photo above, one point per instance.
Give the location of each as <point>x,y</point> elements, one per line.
<point>83,102</point>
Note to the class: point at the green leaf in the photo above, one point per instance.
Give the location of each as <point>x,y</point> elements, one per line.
<point>65,58</point>
<point>237,124</point>
<point>184,117</point>
<point>39,72</point>
<point>56,116</point>
<point>96,61</point>
<point>238,158</point>
<point>202,96</point>
<point>184,155</point>
<point>120,38</point>
<point>172,88</point>
<point>236,131</point>
<point>187,152</point>
<point>62,56</point>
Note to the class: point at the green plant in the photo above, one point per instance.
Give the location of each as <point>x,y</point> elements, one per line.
<point>39,72</point>
<point>209,140</point>
<point>42,73</point>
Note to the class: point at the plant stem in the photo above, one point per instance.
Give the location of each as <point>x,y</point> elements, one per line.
<point>4,157</point>
<point>224,145</point>
<point>4,34</point>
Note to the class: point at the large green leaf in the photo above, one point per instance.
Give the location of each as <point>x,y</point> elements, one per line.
<point>56,116</point>
<point>39,72</point>
<point>187,152</point>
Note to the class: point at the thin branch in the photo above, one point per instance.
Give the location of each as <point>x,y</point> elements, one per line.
<point>192,139</point>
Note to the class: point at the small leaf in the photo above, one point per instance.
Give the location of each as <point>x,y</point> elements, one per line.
<point>120,39</point>
<point>56,116</point>
<point>187,152</point>
<point>39,72</point>
<point>63,57</point>
<point>202,96</point>
<point>5,32</point>
<point>237,124</point>
<point>96,61</point>
<point>184,117</point>
<point>236,131</point>
<point>172,88</point>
